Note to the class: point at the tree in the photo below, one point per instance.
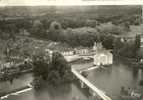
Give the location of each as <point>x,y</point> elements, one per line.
<point>127,50</point>
<point>85,36</point>
<point>55,72</point>
<point>109,28</point>
<point>38,29</point>
<point>11,29</point>
<point>117,44</point>
<point>107,41</point>
<point>55,31</point>
<point>137,42</point>
<point>60,64</point>
<point>40,68</point>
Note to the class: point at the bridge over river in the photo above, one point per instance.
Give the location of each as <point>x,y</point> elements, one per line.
<point>95,90</point>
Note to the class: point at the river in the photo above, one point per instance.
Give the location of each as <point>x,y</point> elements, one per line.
<point>109,80</point>
<point>65,92</point>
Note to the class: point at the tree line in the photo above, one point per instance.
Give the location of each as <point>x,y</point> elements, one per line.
<point>74,31</point>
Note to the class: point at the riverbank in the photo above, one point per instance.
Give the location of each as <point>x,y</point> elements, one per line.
<point>6,77</point>
<point>124,59</point>
<point>15,72</point>
<point>73,60</point>
<point>134,63</point>
<point>17,83</point>
<point>15,91</point>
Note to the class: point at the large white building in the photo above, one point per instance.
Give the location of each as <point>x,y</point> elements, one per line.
<point>102,56</point>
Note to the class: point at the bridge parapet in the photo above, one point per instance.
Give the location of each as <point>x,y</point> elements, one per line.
<point>93,88</point>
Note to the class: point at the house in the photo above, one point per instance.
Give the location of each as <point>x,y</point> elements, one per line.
<point>68,52</point>
<point>65,51</point>
<point>82,51</point>
<point>102,56</point>
<point>24,32</point>
<point>8,64</point>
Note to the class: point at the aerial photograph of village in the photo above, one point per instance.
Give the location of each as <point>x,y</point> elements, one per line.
<point>71,52</point>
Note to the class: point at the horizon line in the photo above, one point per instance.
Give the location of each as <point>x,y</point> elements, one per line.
<point>71,3</point>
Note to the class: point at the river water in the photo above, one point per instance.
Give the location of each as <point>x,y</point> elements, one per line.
<point>109,80</point>
<point>65,92</point>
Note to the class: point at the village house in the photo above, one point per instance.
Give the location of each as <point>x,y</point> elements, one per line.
<point>24,32</point>
<point>65,51</point>
<point>83,50</point>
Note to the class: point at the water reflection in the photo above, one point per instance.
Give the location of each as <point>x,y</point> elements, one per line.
<point>113,78</point>
<point>65,92</point>
<point>53,92</point>
<point>138,74</point>
<point>135,73</point>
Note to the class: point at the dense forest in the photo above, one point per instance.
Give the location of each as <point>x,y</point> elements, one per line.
<point>74,25</point>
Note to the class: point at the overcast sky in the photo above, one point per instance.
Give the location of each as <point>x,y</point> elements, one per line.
<point>66,2</point>
<point>35,2</point>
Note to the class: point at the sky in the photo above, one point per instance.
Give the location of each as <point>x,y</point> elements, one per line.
<point>68,2</point>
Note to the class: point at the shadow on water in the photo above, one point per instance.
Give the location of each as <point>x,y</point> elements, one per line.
<point>85,90</point>
<point>135,73</point>
<point>54,91</point>
<point>66,91</point>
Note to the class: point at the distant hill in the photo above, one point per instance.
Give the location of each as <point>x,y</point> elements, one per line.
<point>74,11</point>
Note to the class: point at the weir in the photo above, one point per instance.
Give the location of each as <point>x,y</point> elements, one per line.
<point>17,91</point>
<point>100,93</point>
